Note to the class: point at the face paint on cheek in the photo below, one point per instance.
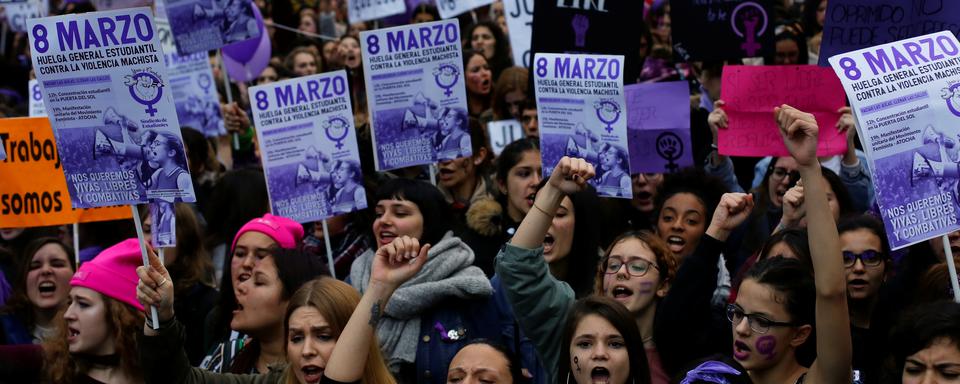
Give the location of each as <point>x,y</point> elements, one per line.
<point>646,287</point>
<point>576,362</point>
<point>766,346</point>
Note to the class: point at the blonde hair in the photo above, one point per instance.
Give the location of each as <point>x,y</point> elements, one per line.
<point>124,323</point>
<point>336,300</point>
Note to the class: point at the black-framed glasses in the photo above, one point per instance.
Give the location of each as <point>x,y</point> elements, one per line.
<point>779,173</point>
<point>635,267</point>
<point>870,258</point>
<point>758,323</point>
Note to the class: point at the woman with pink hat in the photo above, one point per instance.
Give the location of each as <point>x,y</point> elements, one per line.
<point>95,339</point>
<point>251,311</point>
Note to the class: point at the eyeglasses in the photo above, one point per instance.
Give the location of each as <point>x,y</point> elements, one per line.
<point>635,267</point>
<point>870,258</point>
<point>758,323</point>
<point>779,173</point>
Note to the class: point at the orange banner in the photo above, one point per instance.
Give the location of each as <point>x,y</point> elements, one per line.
<point>33,190</point>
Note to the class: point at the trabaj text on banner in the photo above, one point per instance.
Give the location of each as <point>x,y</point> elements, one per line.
<point>906,98</point>
<point>416,95</point>
<point>107,96</point>
<point>309,147</point>
<point>366,10</point>
<point>580,103</point>
<point>34,192</point>
<point>191,83</point>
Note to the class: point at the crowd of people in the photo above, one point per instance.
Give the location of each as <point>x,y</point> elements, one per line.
<point>735,270</point>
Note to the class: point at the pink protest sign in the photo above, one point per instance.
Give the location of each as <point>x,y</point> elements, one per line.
<point>751,93</point>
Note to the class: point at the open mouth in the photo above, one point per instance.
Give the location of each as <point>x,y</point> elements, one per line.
<point>312,373</point>
<point>72,334</point>
<point>548,242</point>
<point>857,283</point>
<point>621,292</point>
<point>530,198</point>
<point>47,288</point>
<point>387,237</point>
<point>600,375</point>
<point>243,276</point>
<point>740,350</point>
<point>643,195</point>
<point>676,243</point>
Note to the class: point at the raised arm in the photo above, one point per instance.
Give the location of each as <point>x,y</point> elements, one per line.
<point>394,264</point>
<point>569,176</point>
<point>834,350</point>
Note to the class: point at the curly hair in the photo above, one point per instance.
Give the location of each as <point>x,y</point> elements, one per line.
<point>124,323</point>
<point>667,262</point>
<point>695,181</point>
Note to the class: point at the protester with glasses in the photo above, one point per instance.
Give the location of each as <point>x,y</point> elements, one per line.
<point>771,323</point>
<point>636,271</point>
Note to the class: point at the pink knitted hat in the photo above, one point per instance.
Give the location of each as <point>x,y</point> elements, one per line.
<point>113,272</point>
<point>287,233</point>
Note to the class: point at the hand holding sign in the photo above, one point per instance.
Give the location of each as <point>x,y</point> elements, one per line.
<point>800,132</point>
<point>155,288</point>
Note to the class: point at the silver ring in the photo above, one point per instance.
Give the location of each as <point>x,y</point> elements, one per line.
<point>161,283</point>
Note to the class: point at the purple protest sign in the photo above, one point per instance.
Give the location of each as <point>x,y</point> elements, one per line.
<point>109,101</point>
<point>309,146</point>
<point>850,25</point>
<point>736,29</point>
<point>417,99</point>
<point>163,224</point>
<point>752,92</point>
<point>658,127</point>
<point>203,25</point>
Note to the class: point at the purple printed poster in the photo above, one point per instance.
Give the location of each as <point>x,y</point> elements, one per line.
<point>906,98</point>
<point>203,25</point>
<point>106,93</point>
<point>850,25</point>
<point>36,108</point>
<point>163,224</point>
<point>452,8</point>
<point>191,82</point>
<point>308,146</point>
<point>658,127</point>
<point>365,10</point>
<point>580,103</point>
<point>416,95</point>
<point>17,13</point>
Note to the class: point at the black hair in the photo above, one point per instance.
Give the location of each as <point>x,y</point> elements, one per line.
<point>793,282</point>
<point>437,218</point>
<point>810,25</point>
<point>695,181</point>
<point>512,154</point>
<point>479,138</point>
<point>795,239</point>
<point>239,196</point>
<point>501,48</point>
<point>197,148</point>
<point>584,253</point>
<point>426,8</point>
<point>870,223</point>
<point>513,361</point>
<point>742,377</point>
<point>840,191</point>
<point>621,319</point>
<point>921,326</point>
<point>790,33</point>
<point>295,267</point>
